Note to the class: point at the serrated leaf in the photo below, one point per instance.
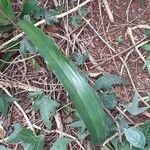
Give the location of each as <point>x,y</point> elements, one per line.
<point>109,100</point>
<point>106,82</point>
<point>50,17</point>
<point>145,129</point>
<point>79,58</point>
<point>147,32</point>
<point>134,109</point>
<point>146,47</point>
<point>26,137</point>
<point>6,12</point>
<point>5,101</point>
<point>80,125</point>
<point>45,105</point>
<point>135,137</point>
<point>26,46</point>
<point>75,20</point>
<point>61,143</point>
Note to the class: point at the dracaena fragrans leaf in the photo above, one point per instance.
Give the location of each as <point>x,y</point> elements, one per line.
<point>81,93</point>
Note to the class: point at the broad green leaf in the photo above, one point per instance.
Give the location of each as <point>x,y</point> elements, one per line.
<point>145,129</point>
<point>61,143</point>
<point>50,17</point>
<point>109,100</point>
<point>26,137</point>
<point>135,137</point>
<point>146,47</point>
<point>45,105</point>
<point>6,13</point>
<point>134,109</point>
<point>147,32</point>
<point>5,101</point>
<point>26,46</point>
<point>75,20</point>
<point>81,93</point>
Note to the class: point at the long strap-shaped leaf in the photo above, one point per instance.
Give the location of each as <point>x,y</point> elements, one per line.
<point>98,123</point>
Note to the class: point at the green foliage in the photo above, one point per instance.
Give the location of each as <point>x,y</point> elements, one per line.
<point>75,20</point>
<point>146,47</point>
<point>29,140</point>
<point>135,137</point>
<point>109,99</point>
<point>5,101</point>
<point>80,125</point>
<point>50,17</point>
<point>134,109</point>
<point>106,82</point>
<point>147,64</point>
<point>147,32</point>
<point>79,58</point>
<point>61,143</point>
<point>3,148</point>
<point>83,95</point>
<point>6,13</point>
<point>145,129</point>
<point>45,105</point>
<point>26,46</point>
<point>5,28</point>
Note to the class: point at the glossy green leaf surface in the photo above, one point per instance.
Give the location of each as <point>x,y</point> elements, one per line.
<point>81,93</point>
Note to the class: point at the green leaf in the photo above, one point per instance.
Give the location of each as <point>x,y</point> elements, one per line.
<point>45,105</point>
<point>146,47</point>
<point>80,125</point>
<point>109,99</point>
<point>61,143</point>
<point>50,17</point>
<point>107,81</point>
<point>5,101</point>
<point>147,32</point>
<point>135,137</point>
<point>145,129</point>
<point>134,109</point>
<point>75,20</point>
<point>85,98</point>
<point>26,137</point>
<point>4,148</point>
<point>6,13</point>
<point>79,58</point>
<point>5,28</point>
<point>82,11</point>
<point>26,46</point>
<point>147,64</point>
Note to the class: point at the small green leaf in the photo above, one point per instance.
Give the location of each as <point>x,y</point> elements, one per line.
<point>26,137</point>
<point>61,143</point>
<point>135,137</point>
<point>147,32</point>
<point>45,105</point>
<point>50,17</point>
<point>75,20</point>
<point>82,11</point>
<point>109,100</point>
<point>134,109</point>
<point>26,46</point>
<point>5,28</point>
<point>107,81</point>
<point>5,101</point>
<point>146,47</point>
